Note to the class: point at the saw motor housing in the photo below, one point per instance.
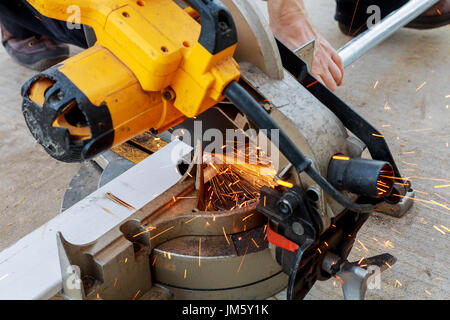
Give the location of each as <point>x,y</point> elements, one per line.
<point>81,107</point>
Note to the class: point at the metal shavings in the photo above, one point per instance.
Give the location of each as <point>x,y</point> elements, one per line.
<point>114,199</point>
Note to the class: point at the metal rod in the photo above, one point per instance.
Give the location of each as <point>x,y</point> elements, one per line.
<point>353,50</point>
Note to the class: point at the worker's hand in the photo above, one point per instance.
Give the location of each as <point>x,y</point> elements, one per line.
<point>291,25</point>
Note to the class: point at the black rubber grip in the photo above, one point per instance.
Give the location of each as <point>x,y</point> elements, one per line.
<point>218,29</point>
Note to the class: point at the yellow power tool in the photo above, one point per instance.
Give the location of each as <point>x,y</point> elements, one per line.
<point>153,65</point>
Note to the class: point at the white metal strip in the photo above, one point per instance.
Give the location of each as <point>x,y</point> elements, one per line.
<point>30,268</point>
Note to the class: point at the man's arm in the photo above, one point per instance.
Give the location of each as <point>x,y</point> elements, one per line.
<point>290,24</point>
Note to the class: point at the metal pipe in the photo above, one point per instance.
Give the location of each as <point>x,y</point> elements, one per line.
<point>353,50</point>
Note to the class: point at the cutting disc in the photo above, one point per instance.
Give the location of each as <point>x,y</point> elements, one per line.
<point>256,43</point>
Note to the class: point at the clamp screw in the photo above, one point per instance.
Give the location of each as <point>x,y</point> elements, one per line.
<point>168,95</point>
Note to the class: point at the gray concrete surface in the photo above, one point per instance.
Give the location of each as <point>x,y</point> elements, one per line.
<point>31,182</point>
<point>383,86</point>
<point>416,126</point>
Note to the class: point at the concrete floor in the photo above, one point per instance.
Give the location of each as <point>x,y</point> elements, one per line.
<point>382,86</point>
<point>415,123</point>
<point>31,182</point>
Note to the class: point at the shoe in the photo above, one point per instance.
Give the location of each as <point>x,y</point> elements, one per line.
<point>37,54</point>
<point>435,17</point>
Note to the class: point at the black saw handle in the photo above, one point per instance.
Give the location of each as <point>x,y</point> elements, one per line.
<point>218,28</point>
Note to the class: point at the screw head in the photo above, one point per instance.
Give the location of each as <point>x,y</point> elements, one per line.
<point>298,228</point>
<point>284,207</point>
<point>167,95</point>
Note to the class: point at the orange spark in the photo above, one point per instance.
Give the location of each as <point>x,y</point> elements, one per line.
<point>242,261</point>
<point>353,18</point>
<point>442,186</point>
<point>362,245</point>
<point>437,228</point>
<point>376,84</point>
<point>388,243</point>
<point>135,296</point>
<point>199,250</point>
<point>148,230</point>
<point>392,177</point>
<point>254,242</point>
<point>226,237</point>
<point>311,84</point>
<point>426,201</point>
<point>431,179</point>
<point>191,219</point>
<point>168,229</point>
<point>421,86</point>
<point>422,192</point>
<point>438,195</point>
<point>341,158</point>
<point>285,184</point>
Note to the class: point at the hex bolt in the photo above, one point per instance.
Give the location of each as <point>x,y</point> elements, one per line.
<point>288,203</point>
<point>284,207</point>
<point>167,95</point>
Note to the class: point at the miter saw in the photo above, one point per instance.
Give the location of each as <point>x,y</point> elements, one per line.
<point>153,66</point>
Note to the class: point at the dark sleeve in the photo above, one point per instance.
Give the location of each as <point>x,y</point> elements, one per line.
<point>23,21</point>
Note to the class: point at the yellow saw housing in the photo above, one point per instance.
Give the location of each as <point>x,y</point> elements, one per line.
<point>152,66</point>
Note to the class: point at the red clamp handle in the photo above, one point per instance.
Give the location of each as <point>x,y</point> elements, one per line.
<point>280,241</point>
